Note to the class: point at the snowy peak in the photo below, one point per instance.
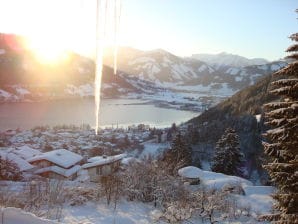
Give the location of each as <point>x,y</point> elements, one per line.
<point>225,59</point>
<point>162,67</point>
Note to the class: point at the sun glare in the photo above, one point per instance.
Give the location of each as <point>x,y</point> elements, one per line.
<point>48,50</point>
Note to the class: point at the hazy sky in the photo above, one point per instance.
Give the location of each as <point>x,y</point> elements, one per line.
<point>252,28</point>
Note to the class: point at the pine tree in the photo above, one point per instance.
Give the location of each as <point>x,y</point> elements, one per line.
<point>228,157</point>
<point>282,145</point>
<point>180,153</point>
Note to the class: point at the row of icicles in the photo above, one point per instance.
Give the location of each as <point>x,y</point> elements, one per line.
<point>107,12</point>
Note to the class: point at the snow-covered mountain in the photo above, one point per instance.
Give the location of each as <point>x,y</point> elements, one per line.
<point>224,59</point>
<point>160,66</point>
<point>147,72</point>
<point>170,71</point>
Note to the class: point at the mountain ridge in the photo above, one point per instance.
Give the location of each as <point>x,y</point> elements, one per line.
<point>226,59</point>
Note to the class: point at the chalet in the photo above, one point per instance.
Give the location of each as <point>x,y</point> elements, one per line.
<point>26,152</point>
<point>102,166</point>
<point>21,163</point>
<point>57,164</point>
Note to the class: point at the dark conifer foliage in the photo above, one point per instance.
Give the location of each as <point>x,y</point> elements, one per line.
<point>180,153</point>
<point>282,139</point>
<point>228,157</point>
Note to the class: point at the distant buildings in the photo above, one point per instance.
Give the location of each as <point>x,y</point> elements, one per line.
<point>102,166</point>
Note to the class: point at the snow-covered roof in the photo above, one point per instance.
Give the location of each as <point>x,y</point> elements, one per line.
<point>26,152</point>
<point>212,179</point>
<point>190,172</point>
<point>59,170</point>
<point>101,160</point>
<point>60,157</point>
<point>21,163</point>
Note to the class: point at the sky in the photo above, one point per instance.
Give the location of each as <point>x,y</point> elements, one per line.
<point>251,28</point>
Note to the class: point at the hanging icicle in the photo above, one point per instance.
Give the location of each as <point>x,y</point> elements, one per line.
<point>103,16</point>
<point>117,16</point>
<point>100,27</point>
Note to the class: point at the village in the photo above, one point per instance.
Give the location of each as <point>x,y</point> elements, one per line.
<point>67,170</point>
<point>63,152</point>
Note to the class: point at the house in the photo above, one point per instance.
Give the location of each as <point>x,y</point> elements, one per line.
<point>26,152</point>
<point>57,164</point>
<point>102,166</point>
<point>22,164</point>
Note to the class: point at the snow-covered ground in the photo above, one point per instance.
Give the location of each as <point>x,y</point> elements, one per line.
<point>258,203</point>
<point>125,213</point>
<point>17,216</point>
<point>23,145</point>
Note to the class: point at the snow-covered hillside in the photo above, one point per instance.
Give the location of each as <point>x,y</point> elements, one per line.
<point>161,66</point>
<point>224,59</point>
<point>170,71</point>
<point>139,73</point>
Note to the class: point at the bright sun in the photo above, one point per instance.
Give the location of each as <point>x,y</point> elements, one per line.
<point>48,50</point>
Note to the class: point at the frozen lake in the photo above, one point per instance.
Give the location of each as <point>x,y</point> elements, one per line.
<point>112,112</point>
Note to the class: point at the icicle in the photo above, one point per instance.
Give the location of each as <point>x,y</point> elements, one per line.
<point>117,15</point>
<point>100,22</point>
<point>102,16</point>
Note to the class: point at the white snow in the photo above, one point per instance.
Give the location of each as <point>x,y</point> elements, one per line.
<point>5,94</point>
<point>275,67</point>
<point>180,71</point>
<point>61,157</point>
<point>86,90</point>
<point>141,60</point>
<point>164,64</point>
<point>238,78</point>
<point>202,68</point>
<point>82,90</point>
<point>258,117</point>
<point>233,71</point>
<point>243,73</point>
<point>263,67</point>
<point>128,160</point>
<point>153,149</point>
<point>258,198</point>
<point>225,90</point>
<point>212,180</point>
<point>125,213</point>
<point>21,91</point>
<point>260,190</point>
<point>155,69</point>
<point>26,152</point>
<point>21,163</point>
<point>190,172</point>
<point>17,216</point>
<point>101,160</point>
<point>166,60</point>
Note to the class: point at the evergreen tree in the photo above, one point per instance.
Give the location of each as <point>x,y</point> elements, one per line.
<point>180,153</point>
<point>228,157</point>
<point>282,145</point>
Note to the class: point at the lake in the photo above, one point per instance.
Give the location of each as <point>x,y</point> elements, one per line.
<point>121,112</point>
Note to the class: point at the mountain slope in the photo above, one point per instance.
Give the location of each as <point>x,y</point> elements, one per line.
<point>146,72</point>
<point>189,74</point>
<point>238,112</point>
<point>224,59</point>
<point>160,66</point>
